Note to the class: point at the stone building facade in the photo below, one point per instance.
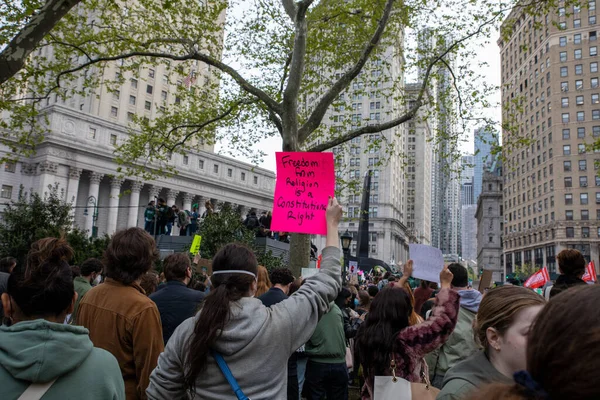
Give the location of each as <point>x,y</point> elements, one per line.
<point>83,167</point>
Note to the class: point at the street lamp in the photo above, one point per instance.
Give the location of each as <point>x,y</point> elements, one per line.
<point>94,202</point>
<point>346,241</point>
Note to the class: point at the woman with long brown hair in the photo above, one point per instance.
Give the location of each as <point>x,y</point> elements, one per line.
<point>264,282</point>
<point>254,341</point>
<point>501,327</point>
<point>563,356</point>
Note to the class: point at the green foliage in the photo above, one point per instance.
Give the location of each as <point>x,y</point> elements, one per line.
<point>33,217</point>
<point>524,271</point>
<point>221,228</point>
<point>225,226</point>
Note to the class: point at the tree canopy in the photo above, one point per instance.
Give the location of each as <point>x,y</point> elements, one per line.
<point>274,67</point>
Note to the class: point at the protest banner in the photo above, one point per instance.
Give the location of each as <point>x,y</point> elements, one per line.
<point>353,267</point>
<point>427,262</point>
<point>305,181</point>
<point>590,273</point>
<point>538,279</point>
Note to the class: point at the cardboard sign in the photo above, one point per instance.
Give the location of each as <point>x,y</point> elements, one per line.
<point>304,183</point>
<point>195,247</point>
<point>428,262</point>
<point>485,281</point>
<point>202,265</point>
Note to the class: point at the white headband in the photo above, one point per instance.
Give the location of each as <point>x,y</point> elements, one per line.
<point>233,271</point>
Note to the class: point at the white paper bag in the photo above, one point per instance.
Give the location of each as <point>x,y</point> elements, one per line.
<point>386,389</point>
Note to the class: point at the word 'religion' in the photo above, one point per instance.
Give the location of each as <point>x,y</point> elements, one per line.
<point>304,183</point>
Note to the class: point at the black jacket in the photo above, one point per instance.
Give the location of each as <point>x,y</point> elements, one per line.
<point>175,303</point>
<point>564,282</point>
<point>273,296</point>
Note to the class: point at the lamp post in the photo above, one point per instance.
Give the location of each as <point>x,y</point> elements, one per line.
<point>94,202</point>
<point>346,241</point>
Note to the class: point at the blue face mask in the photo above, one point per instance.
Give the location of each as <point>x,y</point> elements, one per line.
<point>356,302</point>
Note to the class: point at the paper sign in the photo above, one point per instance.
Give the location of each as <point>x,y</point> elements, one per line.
<point>195,247</point>
<point>304,183</point>
<point>427,262</point>
<point>306,272</point>
<point>353,267</point>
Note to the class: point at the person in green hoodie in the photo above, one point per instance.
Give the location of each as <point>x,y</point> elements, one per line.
<point>326,371</point>
<point>501,328</point>
<point>36,349</point>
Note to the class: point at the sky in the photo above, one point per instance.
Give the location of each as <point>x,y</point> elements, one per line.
<point>489,53</point>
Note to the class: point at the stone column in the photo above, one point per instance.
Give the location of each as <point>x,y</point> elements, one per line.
<point>134,204</point>
<point>95,179</point>
<point>187,201</point>
<point>47,171</point>
<point>154,191</point>
<point>171,197</point>
<point>73,189</point>
<point>113,205</point>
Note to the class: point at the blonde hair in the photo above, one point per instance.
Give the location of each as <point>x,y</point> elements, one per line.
<point>264,283</point>
<point>499,308</point>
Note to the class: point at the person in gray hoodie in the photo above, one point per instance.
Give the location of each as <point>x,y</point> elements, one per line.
<point>37,349</point>
<point>501,329</point>
<point>461,343</point>
<point>255,341</point>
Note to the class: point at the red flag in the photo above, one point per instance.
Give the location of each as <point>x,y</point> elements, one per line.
<point>590,273</point>
<point>319,259</point>
<point>538,279</point>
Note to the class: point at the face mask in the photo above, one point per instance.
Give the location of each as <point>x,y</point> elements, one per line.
<point>97,280</point>
<point>356,302</point>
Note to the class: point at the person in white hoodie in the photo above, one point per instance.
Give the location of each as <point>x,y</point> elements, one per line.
<point>461,343</point>
<point>255,341</point>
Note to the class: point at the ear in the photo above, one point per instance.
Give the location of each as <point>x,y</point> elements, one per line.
<point>188,272</point>
<point>72,305</point>
<point>494,339</point>
<point>7,305</point>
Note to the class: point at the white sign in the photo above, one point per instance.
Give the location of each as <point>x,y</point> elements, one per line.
<point>353,267</point>
<point>428,262</point>
<point>306,272</point>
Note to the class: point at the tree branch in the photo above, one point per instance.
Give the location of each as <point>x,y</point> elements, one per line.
<point>418,102</point>
<point>315,118</point>
<point>201,126</point>
<point>14,56</point>
<point>364,130</point>
<point>290,8</point>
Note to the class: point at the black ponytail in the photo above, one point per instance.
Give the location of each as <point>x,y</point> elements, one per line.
<point>215,311</point>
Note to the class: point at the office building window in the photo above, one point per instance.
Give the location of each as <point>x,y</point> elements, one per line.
<point>564,102</point>
<point>6,192</point>
<point>256,180</point>
<point>216,169</point>
<point>147,105</point>
<point>201,164</point>
<point>582,165</point>
<point>243,176</point>
<point>10,167</point>
<point>186,160</point>
<point>593,51</point>
<point>583,182</point>
<point>92,133</point>
<point>594,67</point>
<point>134,83</point>
<point>569,215</point>
<point>229,172</point>
<point>583,199</point>
<point>581,132</point>
<point>565,118</point>
<point>566,150</point>
<point>114,112</point>
<point>579,69</point>
<point>564,71</point>
<point>570,232</point>
<point>567,166</point>
<point>149,89</point>
<point>113,139</point>
<point>585,215</point>
<point>568,199</point>
<point>580,116</point>
<point>563,56</point>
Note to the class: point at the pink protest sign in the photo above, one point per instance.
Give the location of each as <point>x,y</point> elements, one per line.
<point>304,183</point>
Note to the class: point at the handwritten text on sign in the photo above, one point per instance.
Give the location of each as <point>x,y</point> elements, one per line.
<point>304,183</point>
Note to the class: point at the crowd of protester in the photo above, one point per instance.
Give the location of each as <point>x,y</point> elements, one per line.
<point>116,329</point>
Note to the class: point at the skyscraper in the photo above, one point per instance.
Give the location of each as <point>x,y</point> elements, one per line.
<point>485,140</point>
<point>550,89</point>
<point>466,180</point>
<point>420,139</point>
<point>372,98</point>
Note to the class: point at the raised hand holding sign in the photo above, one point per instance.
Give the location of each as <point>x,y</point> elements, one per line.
<point>305,181</point>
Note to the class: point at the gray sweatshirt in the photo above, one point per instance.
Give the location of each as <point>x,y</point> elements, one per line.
<point>256,342</point>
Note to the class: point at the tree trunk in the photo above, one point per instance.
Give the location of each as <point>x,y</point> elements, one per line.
<point>299,253</point>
